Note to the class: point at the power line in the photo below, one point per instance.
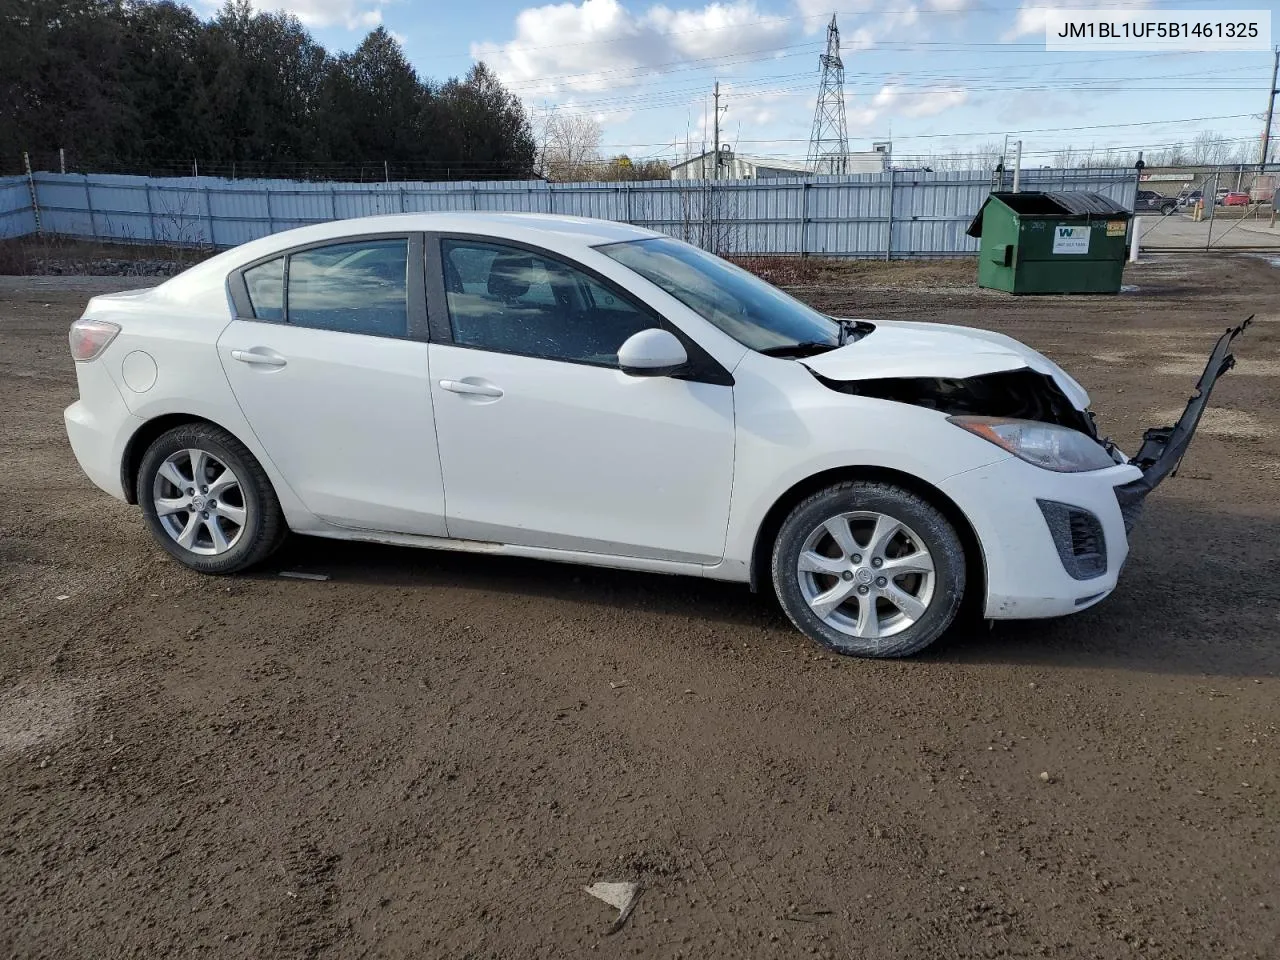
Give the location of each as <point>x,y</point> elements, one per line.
<point>764,55</point>
<point>749,89</point>
<point>987,133</point>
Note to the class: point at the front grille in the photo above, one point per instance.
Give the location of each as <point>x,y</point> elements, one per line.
<point>1077,535</point>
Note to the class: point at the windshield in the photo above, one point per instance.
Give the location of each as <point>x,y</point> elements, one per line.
<point>756,314</point>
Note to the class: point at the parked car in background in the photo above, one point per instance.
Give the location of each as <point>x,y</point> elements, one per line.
<point>595,392</point>
<point>1235,199</point>
<point>1150,201</point>
<point>1189,198</point>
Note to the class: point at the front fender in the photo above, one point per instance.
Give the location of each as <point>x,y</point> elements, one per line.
<point>791,428</point>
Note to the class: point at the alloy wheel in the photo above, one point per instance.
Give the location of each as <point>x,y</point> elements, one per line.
<point>866,574</point>
<point>199,502</point>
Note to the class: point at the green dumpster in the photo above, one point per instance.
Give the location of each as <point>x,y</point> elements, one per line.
<point>1067,242</point>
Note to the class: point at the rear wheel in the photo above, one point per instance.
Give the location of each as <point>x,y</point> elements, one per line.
<point>869,570</point>
<point>207,500</point>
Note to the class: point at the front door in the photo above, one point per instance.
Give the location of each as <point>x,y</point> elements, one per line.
<point>331,371</point>
<point>545,442</point>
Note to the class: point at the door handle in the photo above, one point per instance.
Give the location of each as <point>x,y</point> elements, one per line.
<point>263,359</point>
<point>471,388</point>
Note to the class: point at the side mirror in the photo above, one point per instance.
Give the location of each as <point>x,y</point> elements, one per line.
<point>652,353</point>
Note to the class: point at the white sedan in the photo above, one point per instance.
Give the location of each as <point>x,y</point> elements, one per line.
<point>593,392</point>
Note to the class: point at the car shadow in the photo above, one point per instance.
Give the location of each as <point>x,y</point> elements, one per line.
<point>1200,595</point>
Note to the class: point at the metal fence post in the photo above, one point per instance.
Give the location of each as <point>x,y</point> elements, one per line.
<point>804,218</point>
<point>1213,203</point>
<point>888,246</point>
<point>151,215</point>
<point>271,223</point>
<point>88,205</point>
<point>626,192</point>
<point>208,211</point>
<point>551,198</point>
<point>31,186</point>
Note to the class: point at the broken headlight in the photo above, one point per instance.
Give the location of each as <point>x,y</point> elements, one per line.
<point>1044,444</point>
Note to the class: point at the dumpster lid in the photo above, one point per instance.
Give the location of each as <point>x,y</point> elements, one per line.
<point>1035,203</point>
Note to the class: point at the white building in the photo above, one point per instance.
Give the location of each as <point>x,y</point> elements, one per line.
<point>741,166</point>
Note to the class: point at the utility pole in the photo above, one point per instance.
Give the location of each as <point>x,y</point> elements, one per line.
<point>1271,107</point>
<point>715,113</point>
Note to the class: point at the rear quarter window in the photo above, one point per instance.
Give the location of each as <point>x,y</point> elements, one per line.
<point>265,285</point>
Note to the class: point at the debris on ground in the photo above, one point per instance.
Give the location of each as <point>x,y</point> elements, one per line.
<point>299,575</point>
<point>622,895</point>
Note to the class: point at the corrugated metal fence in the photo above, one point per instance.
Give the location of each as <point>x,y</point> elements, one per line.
<point>17,217</point>
<point>898,214</point>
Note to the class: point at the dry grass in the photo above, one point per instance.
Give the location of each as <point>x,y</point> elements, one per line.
<point>31,255</point>
<point>801,272</point>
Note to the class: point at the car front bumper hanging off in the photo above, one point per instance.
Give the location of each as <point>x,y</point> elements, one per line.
<point>1163,447</point>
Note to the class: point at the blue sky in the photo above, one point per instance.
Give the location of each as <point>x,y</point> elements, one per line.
<point>936,76</point>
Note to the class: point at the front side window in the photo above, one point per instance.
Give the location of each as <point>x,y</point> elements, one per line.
<point>511,300</point>
<point>755,313</point>
<point>355,287</point>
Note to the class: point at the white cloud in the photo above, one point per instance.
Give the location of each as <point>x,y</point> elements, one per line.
<point>751,109</point>
<point>352,14</point>
<point>600,45</point>
<point>892,100</point>
<point>1032,16</point>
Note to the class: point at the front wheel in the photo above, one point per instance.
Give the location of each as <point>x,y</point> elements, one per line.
<point>1168,208</point>
<point>869,570</point>
<point>208,501</point>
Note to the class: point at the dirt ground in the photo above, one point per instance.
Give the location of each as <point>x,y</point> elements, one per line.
<point>430,754</point>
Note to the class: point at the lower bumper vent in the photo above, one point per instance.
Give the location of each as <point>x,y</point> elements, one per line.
<point>1077,535</point>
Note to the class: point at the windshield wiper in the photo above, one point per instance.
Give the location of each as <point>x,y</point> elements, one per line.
<point>805,348</point>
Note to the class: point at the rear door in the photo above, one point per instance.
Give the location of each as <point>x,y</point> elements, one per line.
<point>328,359</point>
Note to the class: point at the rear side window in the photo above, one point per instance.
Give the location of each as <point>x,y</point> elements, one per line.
<point>357,287</point>
<point>265,284</point>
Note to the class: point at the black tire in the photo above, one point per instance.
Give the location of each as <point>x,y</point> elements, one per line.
<point>1168,208</point>
<point>264,527</point>
<point>924,519</point>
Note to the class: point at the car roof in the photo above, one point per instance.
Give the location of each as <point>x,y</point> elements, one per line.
<point>557,233</point>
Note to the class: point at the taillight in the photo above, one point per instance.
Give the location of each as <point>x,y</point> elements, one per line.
<point>90,337</point>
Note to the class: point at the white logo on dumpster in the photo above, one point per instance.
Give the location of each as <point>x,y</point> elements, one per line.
<point>1071,240</point>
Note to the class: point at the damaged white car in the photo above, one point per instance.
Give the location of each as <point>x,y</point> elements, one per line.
<point>593,392</point>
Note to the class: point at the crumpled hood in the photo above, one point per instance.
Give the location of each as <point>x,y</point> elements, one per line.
<point>902,348</point>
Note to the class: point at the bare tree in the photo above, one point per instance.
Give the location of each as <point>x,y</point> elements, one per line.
<point>983,157</point>
<point>569,144</point>
<point>1213,149</point>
